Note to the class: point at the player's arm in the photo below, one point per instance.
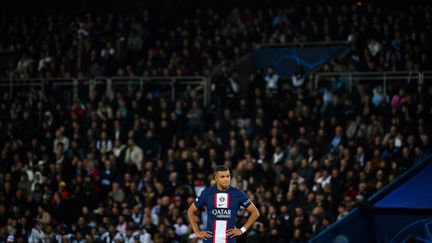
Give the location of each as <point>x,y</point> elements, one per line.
<point>253,216</point>
<point>191,213</point>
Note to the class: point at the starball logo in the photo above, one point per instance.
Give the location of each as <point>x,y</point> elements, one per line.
<point>222,213</point>
<point>413,230</point>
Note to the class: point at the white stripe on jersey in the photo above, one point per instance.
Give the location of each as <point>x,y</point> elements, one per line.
<point>220,228</point>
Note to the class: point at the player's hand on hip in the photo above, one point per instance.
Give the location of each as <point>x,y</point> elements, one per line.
<point>204,234</point>
<point>234,232</point>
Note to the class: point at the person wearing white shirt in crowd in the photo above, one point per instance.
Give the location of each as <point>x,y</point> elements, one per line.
<point>104,144</point>
<point>278,155</point>
<point>298,78</point>
<point>272,81</point>
<point>60,139</point>
<point>137,215</point>
<point>37,234</point>
<point>134,154</point>
<point>180,227</point>
<point>324,179</point>
<point>122,225</point>
<point>129,236</point>
<point>142,236</point>
<point>112,235</point>
<point>10,239</point>
<point>118,148</point>
<point>360,156</point>
<point>104,112</point>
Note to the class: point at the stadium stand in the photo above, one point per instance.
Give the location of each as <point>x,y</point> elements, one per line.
<point>124,165</point>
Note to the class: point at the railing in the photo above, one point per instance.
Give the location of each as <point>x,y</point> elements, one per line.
<point>427,77</point>
<point>170,87</point>
<point>347,80</point>
<point>174,86</point>
<point>245,64</point>
<point>300,44</point>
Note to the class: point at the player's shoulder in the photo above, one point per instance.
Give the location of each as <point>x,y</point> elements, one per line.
<point>209,190</point>
<point>236,190</point>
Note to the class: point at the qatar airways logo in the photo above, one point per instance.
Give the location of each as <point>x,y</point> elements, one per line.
<point>222,213</point>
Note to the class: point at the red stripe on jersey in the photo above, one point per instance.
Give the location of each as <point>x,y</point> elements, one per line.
<point>214,226</point>
<point>215,200</point>
<point>228,200</point>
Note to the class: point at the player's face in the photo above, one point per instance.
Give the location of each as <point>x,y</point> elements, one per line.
<point>223,179</point>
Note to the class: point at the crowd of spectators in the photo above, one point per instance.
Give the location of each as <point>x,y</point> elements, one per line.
<point>194,41</point>
<point>124,167</point>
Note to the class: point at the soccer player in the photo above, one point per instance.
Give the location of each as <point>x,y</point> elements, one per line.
<point>222,202</point>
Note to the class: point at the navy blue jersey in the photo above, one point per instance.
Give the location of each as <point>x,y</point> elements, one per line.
<point>222,207</point>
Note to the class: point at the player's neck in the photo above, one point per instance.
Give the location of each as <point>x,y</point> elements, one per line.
<point>221,188</point>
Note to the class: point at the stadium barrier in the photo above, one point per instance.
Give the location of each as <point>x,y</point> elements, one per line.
<point>68,89</point>
<point>173,87</point>
<point>348,80</point>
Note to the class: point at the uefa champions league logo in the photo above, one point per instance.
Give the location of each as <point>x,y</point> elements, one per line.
<point>421,230</point>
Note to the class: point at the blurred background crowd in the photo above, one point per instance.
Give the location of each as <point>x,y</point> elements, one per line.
<point>124,167</point>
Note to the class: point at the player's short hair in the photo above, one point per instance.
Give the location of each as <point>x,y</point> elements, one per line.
<point>220,168</point>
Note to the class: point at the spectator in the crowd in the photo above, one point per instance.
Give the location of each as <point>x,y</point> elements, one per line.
<point>117,193</point>
<point>104,144</point>
<point>272,81</point>
<point>134,155</point>
<point>298,79</point>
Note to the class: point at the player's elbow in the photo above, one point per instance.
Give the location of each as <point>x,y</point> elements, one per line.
<point>256,214</point>
<point>190,215</point>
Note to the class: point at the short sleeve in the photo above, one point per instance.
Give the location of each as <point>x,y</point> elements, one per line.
<point>244,200</point>
<point>201,199</point>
